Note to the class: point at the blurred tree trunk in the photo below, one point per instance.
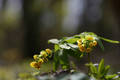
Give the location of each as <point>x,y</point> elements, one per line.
<point>4,4</point>
<point>116,9</point>
<point>32,28</point>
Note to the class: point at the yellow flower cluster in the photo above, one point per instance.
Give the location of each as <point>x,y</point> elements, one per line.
<point>41,58</point>
<point>86,44</point>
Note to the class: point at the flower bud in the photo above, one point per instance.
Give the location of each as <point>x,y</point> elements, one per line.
<point>43,53</point>
<point>35,57</point>
<point>88,50</point>
<point>48,51</point>
<point>94,43</point>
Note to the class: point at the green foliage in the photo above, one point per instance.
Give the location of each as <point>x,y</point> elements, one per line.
<point>67,46</point>
<point>71,40</point>
<point>100,72</point>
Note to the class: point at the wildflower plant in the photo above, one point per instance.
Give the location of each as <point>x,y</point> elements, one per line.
<point>76,46</point>
<point>100,72</point>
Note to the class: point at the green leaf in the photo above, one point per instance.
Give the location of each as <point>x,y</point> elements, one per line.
<point>76,36</point>
<point>110,77</point>
<point>54,41</point>
<point>101,67</point>
<point>72,40</point>
<point>110,41</point>
<point>81,55</point>
<point>72,45</point>
<point>106,70</point>
<point>64,46</point>
<point>56,47</point>
<point>100,44</point>
<point>93,68</point>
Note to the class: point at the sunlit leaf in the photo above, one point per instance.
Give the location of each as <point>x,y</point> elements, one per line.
<point>64,46</point>
<point>56,47</point>
<point>76,36</point>
<point>101,66</point>
<point>110,77</point>
<point>72,40</point>
<point>73,45</point>
<point>54,41</point>
<point>93,69</point>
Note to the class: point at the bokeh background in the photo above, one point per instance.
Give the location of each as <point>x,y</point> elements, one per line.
<point>26,25</point>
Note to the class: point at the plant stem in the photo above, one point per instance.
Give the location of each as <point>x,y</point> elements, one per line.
<point>89,61</point>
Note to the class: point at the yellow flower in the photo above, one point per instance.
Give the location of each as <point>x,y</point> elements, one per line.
<point>82,48</point>
<point>48,51</point>
<point>91,44</point>
<point>94,43</point>
<point>79,44</point>
<point>40,61</point>
<point>32,64</point>
<point>35,57</point>
<point>35,65</point>
<point>79,41</point>
<point>43,53</point>
<point>88,50</point>
<point>88,37</point>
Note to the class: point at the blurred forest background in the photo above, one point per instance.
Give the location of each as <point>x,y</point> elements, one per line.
<point>26,25</point>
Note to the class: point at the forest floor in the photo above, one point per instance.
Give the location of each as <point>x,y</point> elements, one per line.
<point>11,71</point>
